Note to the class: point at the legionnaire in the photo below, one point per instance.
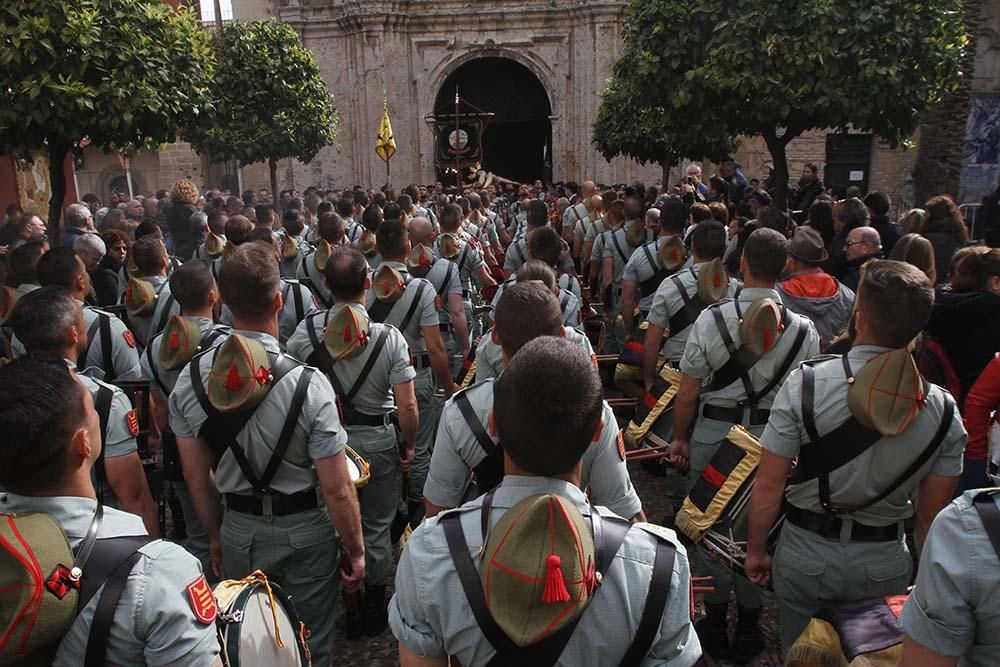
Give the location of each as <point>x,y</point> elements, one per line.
<point>50,323</point>
<point>347,208</point>
<point>147,298</point>
<point>407,303</point>
<point>575,217</point>
<point>330,228</point>
<point>186,334</point>
<point>443,275</point>
<point>737,355</point>
<point>618,248</point>
<point>648,267</point>
<point>534,566</point>
<point>546,246</point>
<point>869,433</point>
<point>678,300</point>
<point>457,246</point>
<point>151,229</point>
<point>215,241</point>
<point>951,615</point>
<point>517,253</point>
<point>368,364</point>
<point>465,440</point>
<point>370,222</point>
<point>293,246</point>
<point>50,448</point>
<point>416,209</point>
<point>110,353</point>
<point>593,227</point>
<point>271,425</point>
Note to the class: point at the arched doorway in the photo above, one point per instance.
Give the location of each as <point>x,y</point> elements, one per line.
<point>517,143</point>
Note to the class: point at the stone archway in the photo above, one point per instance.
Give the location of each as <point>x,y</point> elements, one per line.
<point>517,143</point>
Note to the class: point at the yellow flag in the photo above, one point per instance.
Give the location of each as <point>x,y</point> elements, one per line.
<point>385,145</point>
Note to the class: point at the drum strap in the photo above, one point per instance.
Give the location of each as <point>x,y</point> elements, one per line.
<point>103,325</point>
<point>651,284</point>
<point>164,314</point>
<point>441,291</point>
<point>467,364</point>
<point>489,471</point>
<point>989,514</point>
<point>618,247</point>
<point>154,371</point>
<point>609,536</point>
<point>220,430</point>
<point>564,300</point>
<point>314,284</point>
<point>300,311</point>
<point>102,405</point>
<point>692,308</point>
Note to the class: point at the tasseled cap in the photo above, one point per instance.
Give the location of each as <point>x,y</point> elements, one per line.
<point>140,297</point>
<point>388,284</point>
<point>420,260</point>
<point>450,246</point>
<point>761,326</point>
<point>241,374</point>
<point>713,281</point>
<point>347,332</point>
<point>672,253</point>
<point>215,245</point>
<point>181,340</point>
<point>887,393</point>
<point>323,252</point>
<point>538,568</point>
<point>367,244</point>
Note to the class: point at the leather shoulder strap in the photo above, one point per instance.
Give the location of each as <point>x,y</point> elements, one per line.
<point>153,368</point>
<point>288,428</point>
<point>989,514</point>
<point>411,311</point>
<point>656,602</point>
<point>102,404</point>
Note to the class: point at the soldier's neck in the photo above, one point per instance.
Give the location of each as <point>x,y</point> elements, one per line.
<point>511,468</point>
<point>270,327</point>
<point>198,312</point>
<point>750,282</point>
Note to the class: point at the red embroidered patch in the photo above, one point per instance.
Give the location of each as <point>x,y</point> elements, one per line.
<point>621,445</point>
<point>60,583</point>
<point>129,338</point>
<point>132,419</point>
<point>262,376</point>
<point>202,601</point>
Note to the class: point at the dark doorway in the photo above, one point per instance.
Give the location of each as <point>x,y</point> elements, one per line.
<point>517,143</point>
<point>848,162</point>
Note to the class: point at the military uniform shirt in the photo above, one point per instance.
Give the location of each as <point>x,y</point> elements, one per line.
<point>426,314</point>
<point>456,452</point>
<point>436,276</point>
<point>575,215</point>
<point>468,261</point>
<point>201,253</point>
<point>517,255</point>
<point>597,250</point>
<point>393,366</point>
<point>954,609</point>
<point>318,433</point>
<point>289,266</point>
<point>429,612</point>
<point>876,469</point>
<point>616,240</point>
<point>705,352</point>
<point>569,302</point>
<point>154,623</point>
<point>489,355</point>
<point>667,302</point>
<point>144,327</point>
<point>570,283</point>
<point>639,269</point>
<point>317,281</point>
<point>163,381</point>
<point>594,228</point>
<point>289,317</point>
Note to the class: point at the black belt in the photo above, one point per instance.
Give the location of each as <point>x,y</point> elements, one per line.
<point>829,527</point>
<point>421,361</point>
<point>281,504</point>
<point>734,415</point>
<point>466,294</point>
<point>444,327</point>
<point>355,418</point>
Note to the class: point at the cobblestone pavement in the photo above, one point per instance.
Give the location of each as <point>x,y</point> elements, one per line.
<point>655,493</point>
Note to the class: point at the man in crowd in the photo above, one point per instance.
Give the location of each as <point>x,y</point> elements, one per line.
<point>863,244</point>
<point>79,221</point>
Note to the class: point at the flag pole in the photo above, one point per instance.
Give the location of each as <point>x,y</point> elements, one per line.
<point>458,159</point>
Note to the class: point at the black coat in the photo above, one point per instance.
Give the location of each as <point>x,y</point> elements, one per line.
<point>186,238</point>
<point>105,281</point>
<point>805,195</point>
<point>988,220</point>
<point>967,324</point>
<point>887,230</point>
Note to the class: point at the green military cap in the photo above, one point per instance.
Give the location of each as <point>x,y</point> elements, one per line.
<point>713,281</point>
<point>214,245</point>
<point>450,246</point>
<point>323,252</point>
<point>181,341</point>
<point>420,260</point>
<point>140,297</point>
<point>367,244</point>
<point>887,393</point>
<point>761,326</point>
<point>241,374</point>
<point>8,299</point>
<point>635,233</point>
<point>346,333</point>
<point>538,568</point>
<point>290,247</point>
<point>672,253</point>
<point>388,284</point>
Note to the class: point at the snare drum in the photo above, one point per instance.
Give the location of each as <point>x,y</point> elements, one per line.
<point>653,423</point>
<point>258,625</point>
<point>595,329</point>
<point>358,468</point>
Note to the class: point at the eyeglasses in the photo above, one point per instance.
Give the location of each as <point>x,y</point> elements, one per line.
<point>848,244</point>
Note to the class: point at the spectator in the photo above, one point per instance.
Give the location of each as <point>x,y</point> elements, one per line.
<point>90,249</point>
<point>807,290</point>
<point>848,215</point>
<point>732,173</point>
<point>774,218</point>
<point>945,229</point>
<point>184,197</point>
<point>807,189</point>
<point>863,244</point>
<point>979,414</point>
<point>79,221</point>
<point>878,204</point>
<point>912,220</point>
<point>758,200</point>
<point>966,318</point>
<point>134,210</point>
<point>92,201</point>
<point>115,220</point>
<point>988,218</point>
<point>105,277</point>
<point>916,250</point>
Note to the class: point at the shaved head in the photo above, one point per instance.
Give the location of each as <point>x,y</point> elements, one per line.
<point>588,188</point>
<point>421,230</point>
<point>596,202</point>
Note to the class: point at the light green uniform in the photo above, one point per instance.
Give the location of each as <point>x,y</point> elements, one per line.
<point>308,272</point>
<point>489,354</point>
<point>144,327</point>
<point>425,314</point>
<point>468,262</point>
<point>706,353</point>
<point>299,551</point>
<point>298,305</point>
<point>808,568</point>
<point>377,444</point>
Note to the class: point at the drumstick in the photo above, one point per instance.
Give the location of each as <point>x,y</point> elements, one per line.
<point>622,402</point>
<point>647,453</point>
<point>702,589</point>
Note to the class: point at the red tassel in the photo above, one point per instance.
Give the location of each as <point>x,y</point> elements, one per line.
<point>767,340</point>
<point>175,343</point>
<point>555,587</point>
<point>718,279</point>
<point>347,333</point>
<point>591,578</point>
<point>233,381</point>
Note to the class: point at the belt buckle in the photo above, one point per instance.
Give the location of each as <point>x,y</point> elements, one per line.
<point>266,505</point>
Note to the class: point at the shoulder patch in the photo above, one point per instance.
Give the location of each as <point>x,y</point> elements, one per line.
<point>201,600</point>
<point>659,531</point>
<point>129,338</point>
<point>132,420</point>
<point>621,445</point>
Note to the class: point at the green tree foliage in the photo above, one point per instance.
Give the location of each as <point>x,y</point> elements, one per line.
<point>777,68</point>
<point>125,73</point>
<point>270,101</point>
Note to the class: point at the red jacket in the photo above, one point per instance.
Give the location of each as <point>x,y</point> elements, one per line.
<point>983,399</point>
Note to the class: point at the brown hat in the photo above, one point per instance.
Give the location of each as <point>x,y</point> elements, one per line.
<point>672,253</point>
<point>323,252</point>
<point>214,245</point>
<point>538,568</point>
<point>761,326</point>
<point>806,246</point>
<point>140,297</point>
<point>713,281</point>
<point>635,233</point>
<point>347,333</point>
<point>887,393</point>
<point>388,284</point>
<point>8,299</point>
<point>420,260</point>
<point>367,244</point>
<point>241,374</point>
<point>181,341</point>
<point>450,246</point>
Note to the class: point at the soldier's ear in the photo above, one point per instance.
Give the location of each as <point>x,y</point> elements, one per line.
<point>600,430</point>
<point>491,425</point>
<point>368,282</point>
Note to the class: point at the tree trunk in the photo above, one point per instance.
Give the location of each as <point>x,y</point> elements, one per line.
<point>938,168</point>
<point>776,147</point>
<point>57,177</point>
<point>273,165</point>
<point>667,165</point>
